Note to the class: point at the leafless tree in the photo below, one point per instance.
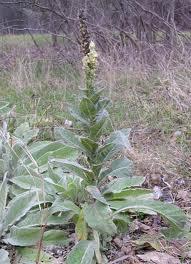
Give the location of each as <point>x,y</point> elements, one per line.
<point>113,23</point>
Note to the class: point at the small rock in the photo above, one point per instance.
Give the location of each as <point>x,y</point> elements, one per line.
<point>178,133</point>
<point>68,123</point>
<point>157,193</point>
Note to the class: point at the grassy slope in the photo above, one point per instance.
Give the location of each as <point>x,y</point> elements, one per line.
<point>155,105</point>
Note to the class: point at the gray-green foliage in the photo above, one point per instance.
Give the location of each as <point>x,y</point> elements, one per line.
<point>76,179</point>
<point>106,190</point>
<point>23,188</point>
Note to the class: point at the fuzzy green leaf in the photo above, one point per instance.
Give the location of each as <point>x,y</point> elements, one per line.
<point>82,253</point>
<point>61,205</point>
<point>30,236</point>
<point>89,145</point>
<point>121,168</point>
<point>95,131</point>
<point>96,96</point>
<point>55,237</point>
<point>130,193</point>
<point>99,217</point>
<point>28,182</point>
<point>119,184</point>
<point>106,152</point>
<point>172,213</point>
<point>75,168</point>
<point>3,198</point>
<point>23,236</point>
<point>96,194</point>
<point>25,133</point>
<point>38,218</point>
<point>65,152</point>
<point>28,255</point>
<point>2,167</point>
<point>87,108</point>
<point>77,116</point>
<point>68,137</point>
<point>81,227</point>
<point>120,138</point>
<point>18,207</point>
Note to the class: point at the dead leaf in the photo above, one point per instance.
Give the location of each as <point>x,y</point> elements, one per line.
<point>127,250</point>
<point>118,242</point>
<point>154,257</point>
<point>148,241</point>
<point>138,226</point>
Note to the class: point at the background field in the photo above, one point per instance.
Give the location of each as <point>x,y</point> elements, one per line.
<point>154,101</point>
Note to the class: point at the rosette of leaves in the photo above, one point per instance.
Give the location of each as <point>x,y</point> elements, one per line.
<point>101,190</point>
<point>25,197</point>
<point>21,222</point>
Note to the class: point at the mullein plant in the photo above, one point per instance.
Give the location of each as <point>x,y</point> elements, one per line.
<point>76,179</point>
<point>101,191</point>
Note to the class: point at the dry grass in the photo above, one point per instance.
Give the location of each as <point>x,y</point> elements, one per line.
<point>153,99</point>
<point>156,103</point>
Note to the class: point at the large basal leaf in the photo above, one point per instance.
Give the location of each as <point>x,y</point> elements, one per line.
<point>81,227</point>
<point>62,205</point>
<point>4,257</point>
<point>14,190</point>
<point>172,213</point>
<point>28,182</point>
<point>121,168</point>
<point>65,152</point>
<point>82,253</point>
<point>55,174</point>
<point>24,133</point>
<point>68,137</point>
<point>21,236</point>
<point>25,236</point>
<point>68,187</point>
<point>96,194</point>
<point>75,168</point>
<point>99,217</point>
<point>119,184</point>
<point>130,193</point>
<point>27,255</point>
<point>39,148</point>
<point>41,151</point>
<point>18,207</point>
<point>38,218</point>
<point>3,198</point>
<point>55,237</point>
<point>87,108</point>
